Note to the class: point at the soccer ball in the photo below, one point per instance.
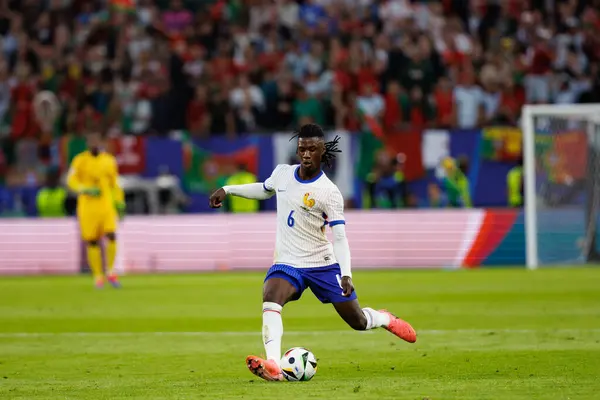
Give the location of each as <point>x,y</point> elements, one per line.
<point>298,364</point>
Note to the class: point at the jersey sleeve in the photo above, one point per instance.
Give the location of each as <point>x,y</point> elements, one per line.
<point>74,174</point>
<point>270,184</point>
<point>334,208</point>
<point>117,192</point>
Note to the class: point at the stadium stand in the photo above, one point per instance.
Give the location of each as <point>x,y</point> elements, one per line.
<point>222,68</point>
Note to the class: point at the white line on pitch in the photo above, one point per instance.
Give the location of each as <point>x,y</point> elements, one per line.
<point>295,333</point>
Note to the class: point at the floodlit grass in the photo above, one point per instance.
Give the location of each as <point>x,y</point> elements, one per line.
<point>485,334</point>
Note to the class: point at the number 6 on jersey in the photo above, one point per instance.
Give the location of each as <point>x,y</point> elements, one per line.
<point>290,220</point>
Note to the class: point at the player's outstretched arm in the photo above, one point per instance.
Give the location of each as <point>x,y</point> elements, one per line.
<point>341,249</point>
<point>255,191</point>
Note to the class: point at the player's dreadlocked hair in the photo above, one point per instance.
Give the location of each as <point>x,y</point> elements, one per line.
<point>314,130</point>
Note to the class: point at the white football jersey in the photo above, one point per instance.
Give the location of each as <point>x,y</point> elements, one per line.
<point>304,210</point>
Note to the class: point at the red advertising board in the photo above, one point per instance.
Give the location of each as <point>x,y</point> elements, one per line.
<point>130,153</point>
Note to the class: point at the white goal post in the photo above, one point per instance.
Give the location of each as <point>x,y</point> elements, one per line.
<point>587,115</point>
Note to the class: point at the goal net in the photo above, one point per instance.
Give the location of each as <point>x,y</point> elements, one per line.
<point>561,146</point>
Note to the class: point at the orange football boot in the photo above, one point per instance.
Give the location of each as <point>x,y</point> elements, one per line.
<point>400,328</point>
<point>99,283</point>
<point>114,281</point>
<point>268,370</point>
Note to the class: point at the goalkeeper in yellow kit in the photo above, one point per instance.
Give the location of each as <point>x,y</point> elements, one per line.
<point>100,201</point>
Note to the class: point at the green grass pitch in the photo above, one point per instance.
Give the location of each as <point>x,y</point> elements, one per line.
<point>484,334</point>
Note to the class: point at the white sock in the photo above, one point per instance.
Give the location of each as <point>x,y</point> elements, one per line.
<point>375,319</point>
<point>272,330</point>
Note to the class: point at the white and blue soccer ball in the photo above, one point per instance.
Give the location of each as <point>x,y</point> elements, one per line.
<point>298,364</point>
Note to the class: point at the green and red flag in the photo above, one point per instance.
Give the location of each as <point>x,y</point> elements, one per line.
<point>198,171</point>
<point>501,143</point>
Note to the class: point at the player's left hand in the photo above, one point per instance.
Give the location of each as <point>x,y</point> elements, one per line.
<point>347,286</point>
<point>120,206</point>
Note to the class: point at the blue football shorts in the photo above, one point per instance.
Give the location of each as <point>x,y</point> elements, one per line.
<point>324,282</point>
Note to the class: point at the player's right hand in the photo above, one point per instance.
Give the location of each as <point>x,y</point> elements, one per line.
<point>216,199</point>
<point>90,191</point>
<point>347,286</point>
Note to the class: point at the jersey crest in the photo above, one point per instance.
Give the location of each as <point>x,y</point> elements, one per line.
<point>308,202</point>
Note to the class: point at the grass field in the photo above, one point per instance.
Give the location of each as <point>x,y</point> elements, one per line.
<point>486,334</point>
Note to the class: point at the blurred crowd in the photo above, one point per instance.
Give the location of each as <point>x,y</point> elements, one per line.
<point>224,67</point>
<point>227,66</point>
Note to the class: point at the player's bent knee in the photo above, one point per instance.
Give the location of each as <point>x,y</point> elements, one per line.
<point>93,243</point>
<point>111,236</point>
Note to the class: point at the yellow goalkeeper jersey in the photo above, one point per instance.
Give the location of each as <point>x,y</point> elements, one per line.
<point>95,171</point>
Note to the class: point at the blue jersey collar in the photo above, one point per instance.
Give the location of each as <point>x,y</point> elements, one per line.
<point>297,176</point>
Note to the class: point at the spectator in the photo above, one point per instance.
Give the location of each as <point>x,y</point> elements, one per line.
<point>288,13</point>
<point>125,95</point>
<point>468,101</point>
<point>393,13</point>
<point>443,100</point>
<point>417,110</point>
<point>237,204</point>
<point>307,108</point>
<point>247,102</point>
<point>176,19</point>
<point>222,117</point>
<point>262,13</point>
<point>23,123</point>
<point>490,99</point>
<point>574,74</point>
<point>565,93</point>
<point>161,105</point>
<point>142,116</point>
<point>88,118</point>
<point>318,86</point>
<point>4,93</point>
<point>293,61</point>
<point>198,118</point>
<point>312,14</point>
<point>456,184</point>
<point>314,61</point>
<point>283,108</point>
<point>11,38</point>
<point>514,185</point>
<point>392,118</point>
<point>387,178</point>
<point>380,53</point>
<point>370,103</point>
<point>270,57</point>
<point>434,195</point>
<point>139,42</point>
<point>344,106</point>
<point>367,75</point>
<point>419,71</point>
<point>537,81</point>
<point>51,199</point>
<point>511,102</point>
